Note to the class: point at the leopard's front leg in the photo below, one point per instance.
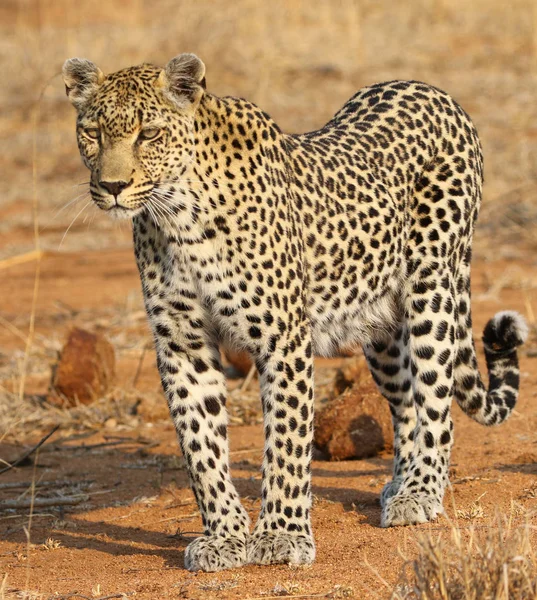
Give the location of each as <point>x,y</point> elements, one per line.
<point>194,384</point>
<point>283,531</point>
<point>196,391</point>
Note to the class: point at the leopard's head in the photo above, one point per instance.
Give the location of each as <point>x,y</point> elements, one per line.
<point>135,128</point>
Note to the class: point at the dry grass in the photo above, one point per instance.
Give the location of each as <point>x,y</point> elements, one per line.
<point>475,510</point>
<point>497,563</point>
<point>299,60</point>
<point>118,410</point>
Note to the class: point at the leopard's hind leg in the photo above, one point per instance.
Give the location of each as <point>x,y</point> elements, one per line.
<point>431,321</point>
<point>389,363</point>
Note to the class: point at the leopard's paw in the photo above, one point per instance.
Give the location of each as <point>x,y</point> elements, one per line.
<point>215,553</point>
<point>272,547</point>
<point>410,509</point>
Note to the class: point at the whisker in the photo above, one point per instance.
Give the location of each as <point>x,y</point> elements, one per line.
<point>89,215</point>
<point>160,198</point>
<point>160,209</point>
<point>163,206</point>
<point>155,216</point>
<point>178,205</point>
<point>151,213</point>
<point>181,180</point>
<point>92,217</point>
<point>47,226</point>
<point>168,197</point>
<point>70,202</point>
<point>72,222</point>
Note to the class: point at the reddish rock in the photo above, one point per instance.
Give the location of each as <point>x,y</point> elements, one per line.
<point>355,424</point>
<point>86,368</point>
<point>355,372</point>
<point>240,361</point>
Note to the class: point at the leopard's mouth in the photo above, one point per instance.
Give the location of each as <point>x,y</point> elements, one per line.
<point>156,200</point>
<point>122,206</point>
<point>117,209</point>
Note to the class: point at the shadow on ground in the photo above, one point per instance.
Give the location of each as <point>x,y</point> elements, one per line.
<point>118,480</point>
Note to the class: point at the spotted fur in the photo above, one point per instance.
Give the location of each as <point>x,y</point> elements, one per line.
<point>291,245</point>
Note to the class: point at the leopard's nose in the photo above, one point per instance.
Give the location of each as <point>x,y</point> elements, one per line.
<point>114,187</point>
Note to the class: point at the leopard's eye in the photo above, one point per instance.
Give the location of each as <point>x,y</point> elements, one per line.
<point>92,133</point>
<point>150,133</point>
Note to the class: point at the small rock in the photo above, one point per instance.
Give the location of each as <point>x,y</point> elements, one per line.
<point>240,363</point>
<point>354,372</point>
<point>355,424</point>
<point>153,408</point>
<point>86,368</point>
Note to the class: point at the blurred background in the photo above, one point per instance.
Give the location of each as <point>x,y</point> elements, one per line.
<point>299,60</point>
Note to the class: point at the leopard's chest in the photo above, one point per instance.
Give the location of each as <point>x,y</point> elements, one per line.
<point>226,287</point>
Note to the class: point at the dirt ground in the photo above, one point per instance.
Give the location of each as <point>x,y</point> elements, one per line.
<point>137,514</point>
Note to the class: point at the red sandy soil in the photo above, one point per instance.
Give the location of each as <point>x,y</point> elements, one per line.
<point>129,536</point>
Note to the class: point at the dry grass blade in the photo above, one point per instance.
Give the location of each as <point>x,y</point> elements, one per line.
<point>248,379</point>
<point>498,565</point>
<point>475,511</point>
<point>21,259</point>
<point>338,591</point>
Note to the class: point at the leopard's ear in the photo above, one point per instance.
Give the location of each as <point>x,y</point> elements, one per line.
<point>183,80</point>
<point>82,78</point>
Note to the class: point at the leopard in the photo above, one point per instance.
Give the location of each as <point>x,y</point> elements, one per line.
<point>286,247</point>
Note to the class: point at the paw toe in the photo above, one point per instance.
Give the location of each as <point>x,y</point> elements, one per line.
<point>389,490</point>
<point>215,553</point>
<point>405,509</point>
<point>273,548</point>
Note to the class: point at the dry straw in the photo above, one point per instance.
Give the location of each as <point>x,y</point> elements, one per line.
<point>496,563</point>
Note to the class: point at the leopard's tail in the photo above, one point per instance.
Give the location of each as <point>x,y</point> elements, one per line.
<point>502,335</point>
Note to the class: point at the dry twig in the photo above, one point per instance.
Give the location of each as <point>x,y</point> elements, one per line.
<point>31,451</point>
<point>77,595</point>
<point>58,483</point>
<point>43,502</point>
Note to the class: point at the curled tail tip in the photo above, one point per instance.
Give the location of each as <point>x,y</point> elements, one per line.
<point>505,331</point>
